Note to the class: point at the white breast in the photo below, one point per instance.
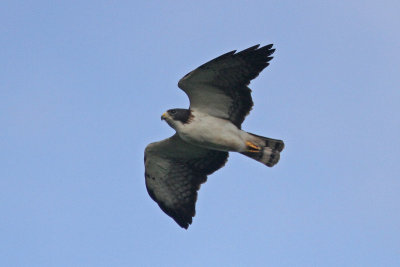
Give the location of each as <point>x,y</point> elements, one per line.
<point>212,132</point>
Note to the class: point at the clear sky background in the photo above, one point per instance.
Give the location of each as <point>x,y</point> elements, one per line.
<point>83,85</point>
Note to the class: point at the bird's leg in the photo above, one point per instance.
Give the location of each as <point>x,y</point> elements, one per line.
<point>252,147</point>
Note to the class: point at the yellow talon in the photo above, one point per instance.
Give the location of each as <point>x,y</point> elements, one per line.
<point>253,147</point>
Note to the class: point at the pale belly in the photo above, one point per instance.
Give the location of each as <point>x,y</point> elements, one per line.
<point>213,133</point>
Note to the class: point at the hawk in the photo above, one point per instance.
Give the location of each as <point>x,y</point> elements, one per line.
<point>220,99</point>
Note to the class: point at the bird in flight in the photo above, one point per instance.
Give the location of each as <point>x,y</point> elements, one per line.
<point>220,99</point>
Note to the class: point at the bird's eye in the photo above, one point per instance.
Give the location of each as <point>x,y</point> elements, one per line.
<point>173,111</point>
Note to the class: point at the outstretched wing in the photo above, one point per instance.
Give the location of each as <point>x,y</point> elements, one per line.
<point>174,171</point>
<point>219,87</point>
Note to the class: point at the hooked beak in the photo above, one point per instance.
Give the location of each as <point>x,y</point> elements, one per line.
<point>164,116</point>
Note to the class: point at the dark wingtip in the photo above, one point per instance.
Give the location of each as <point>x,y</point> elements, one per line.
<point>182,222</point>
<point>248,50</point>
<point>269,46</point>
<point>186,226</point>
<point>271,52</point>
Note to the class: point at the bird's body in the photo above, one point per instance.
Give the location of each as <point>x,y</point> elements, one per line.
<point>203,130</point>
<point>207,131</point>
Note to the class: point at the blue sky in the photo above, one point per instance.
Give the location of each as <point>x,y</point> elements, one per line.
<point>82,88</point>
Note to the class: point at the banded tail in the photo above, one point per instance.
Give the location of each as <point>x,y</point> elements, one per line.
<point>263,149</point>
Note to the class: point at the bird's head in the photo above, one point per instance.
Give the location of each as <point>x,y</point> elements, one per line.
<point>177,116</point>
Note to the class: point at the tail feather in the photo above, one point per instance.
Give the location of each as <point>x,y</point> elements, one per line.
<point>269,152</point>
